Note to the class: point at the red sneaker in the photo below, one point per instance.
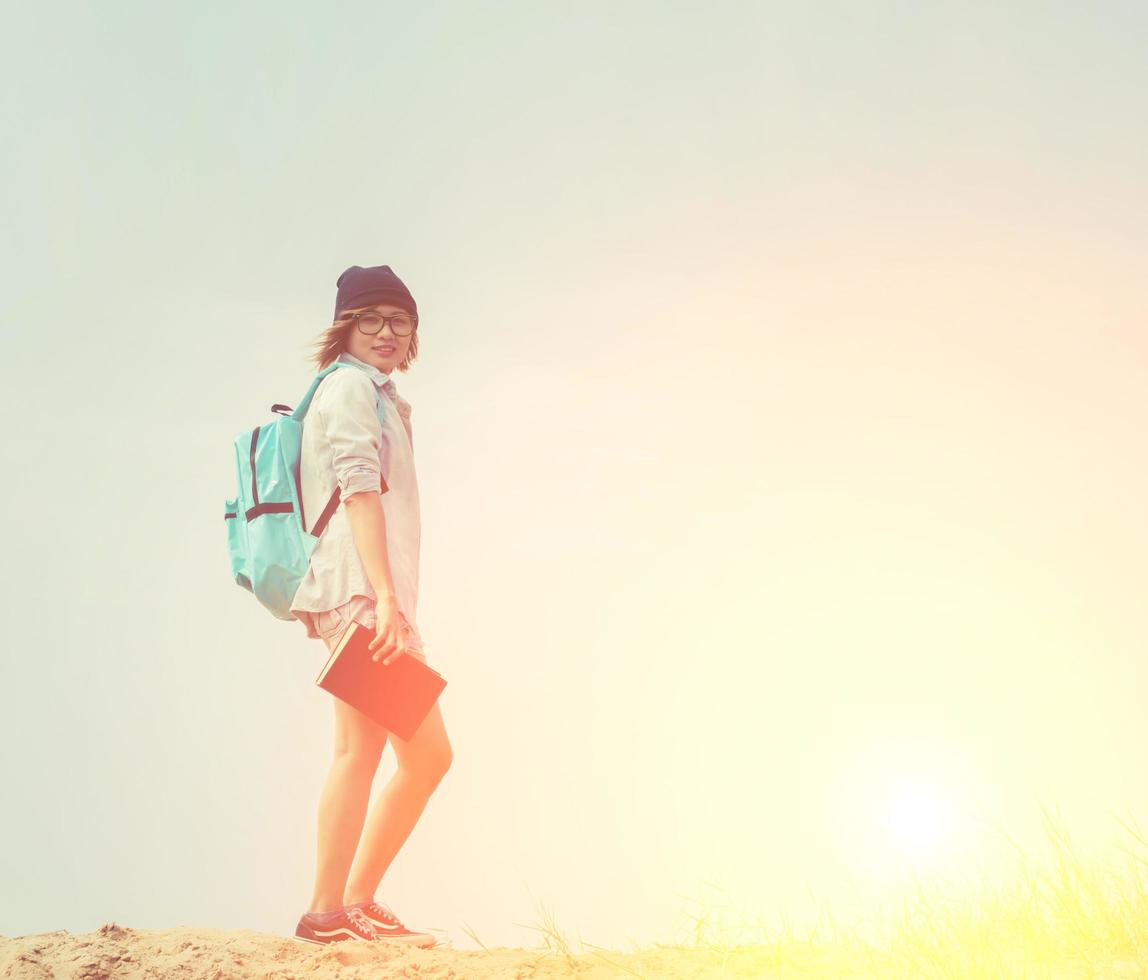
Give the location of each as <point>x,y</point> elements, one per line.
<point>334,927</point>
<point>387,926</point>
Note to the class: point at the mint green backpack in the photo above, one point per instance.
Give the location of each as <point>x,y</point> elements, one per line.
<point>268,546</point>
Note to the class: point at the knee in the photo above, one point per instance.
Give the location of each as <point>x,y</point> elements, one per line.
<point>431,769</point>
<point>444,762</point>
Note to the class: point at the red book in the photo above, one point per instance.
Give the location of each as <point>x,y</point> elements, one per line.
<point>397,696</point>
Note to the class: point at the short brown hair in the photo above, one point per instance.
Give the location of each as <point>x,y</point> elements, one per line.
<point>333,341</point>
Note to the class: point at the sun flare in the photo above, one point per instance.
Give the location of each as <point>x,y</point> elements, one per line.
<point>917,819</point>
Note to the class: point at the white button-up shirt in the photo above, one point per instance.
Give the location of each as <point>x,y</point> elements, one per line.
<point>357,434</point>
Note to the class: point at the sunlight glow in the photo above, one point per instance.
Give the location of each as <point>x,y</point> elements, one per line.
<point>917,819</point>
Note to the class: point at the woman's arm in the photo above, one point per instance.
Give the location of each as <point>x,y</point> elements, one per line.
<point>348,413</point>
<point>369,529</point>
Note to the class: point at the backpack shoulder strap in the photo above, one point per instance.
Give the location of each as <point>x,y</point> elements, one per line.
<point>304,406</point>
<point>299,414</point>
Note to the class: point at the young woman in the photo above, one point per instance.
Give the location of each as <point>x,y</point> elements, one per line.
<point>357,435</point>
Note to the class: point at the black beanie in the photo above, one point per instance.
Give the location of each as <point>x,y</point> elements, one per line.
<point>376,284</point>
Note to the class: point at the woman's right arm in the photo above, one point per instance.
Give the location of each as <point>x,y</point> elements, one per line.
<point>349,416</point>
<point>369,529</point>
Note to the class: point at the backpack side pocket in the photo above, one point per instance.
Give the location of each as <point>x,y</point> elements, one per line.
<point>237,543</point>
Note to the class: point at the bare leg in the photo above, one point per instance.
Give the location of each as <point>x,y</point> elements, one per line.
<point>423,761</point>
<point>359,745</point>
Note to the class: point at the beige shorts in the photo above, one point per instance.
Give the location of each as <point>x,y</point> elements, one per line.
<point>330,624</point>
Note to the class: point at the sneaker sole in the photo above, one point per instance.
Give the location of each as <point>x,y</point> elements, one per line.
<point>329,942</point>
<point>383,939</point>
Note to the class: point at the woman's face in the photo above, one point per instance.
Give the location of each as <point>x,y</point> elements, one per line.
<point>384,350</point>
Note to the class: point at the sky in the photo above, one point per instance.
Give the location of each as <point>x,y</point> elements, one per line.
<point>778,415</point>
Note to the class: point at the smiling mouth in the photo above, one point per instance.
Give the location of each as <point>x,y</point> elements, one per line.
<point>384,350</point>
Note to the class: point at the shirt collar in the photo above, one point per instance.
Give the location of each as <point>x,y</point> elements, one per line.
<point>380,379</point>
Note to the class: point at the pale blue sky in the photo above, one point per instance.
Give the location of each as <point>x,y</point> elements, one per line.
<point>749,333</point>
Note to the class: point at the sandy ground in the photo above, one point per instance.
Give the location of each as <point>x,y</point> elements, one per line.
<point>214,954</point>
<point>190,954</point>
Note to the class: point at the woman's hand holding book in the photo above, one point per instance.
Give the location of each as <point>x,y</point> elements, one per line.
<point>390,633</point>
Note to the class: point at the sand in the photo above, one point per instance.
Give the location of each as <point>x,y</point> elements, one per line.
<point>187,953</point>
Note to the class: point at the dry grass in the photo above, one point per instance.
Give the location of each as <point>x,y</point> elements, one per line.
<point>1054,917</point>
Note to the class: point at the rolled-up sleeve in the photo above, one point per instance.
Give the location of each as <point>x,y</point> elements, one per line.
<point>351,424</point>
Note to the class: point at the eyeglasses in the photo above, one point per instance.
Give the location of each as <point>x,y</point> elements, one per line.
<point>371,323</point>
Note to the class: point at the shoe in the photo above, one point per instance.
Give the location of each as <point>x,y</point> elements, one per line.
<point>387,926</point>
<point>334,927</point>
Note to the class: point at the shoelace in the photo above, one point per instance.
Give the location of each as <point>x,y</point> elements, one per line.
<point>358,918</point>
<point>384,914</point>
